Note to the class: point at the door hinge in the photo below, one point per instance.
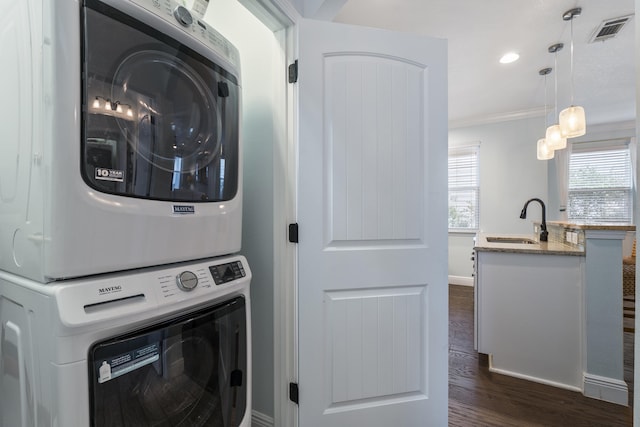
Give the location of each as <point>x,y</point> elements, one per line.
<point>293,232</point>
<point>293,393</point>
<point>293,72</point>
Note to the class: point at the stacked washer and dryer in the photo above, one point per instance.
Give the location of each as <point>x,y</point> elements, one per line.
<point>123,299</point>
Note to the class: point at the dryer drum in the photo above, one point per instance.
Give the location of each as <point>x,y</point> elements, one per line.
<point>182,389</point>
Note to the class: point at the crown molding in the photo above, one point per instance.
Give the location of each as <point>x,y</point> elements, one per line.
<point>496,118</point>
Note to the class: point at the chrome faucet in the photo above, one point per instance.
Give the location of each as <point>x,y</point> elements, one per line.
<point>544,234</point>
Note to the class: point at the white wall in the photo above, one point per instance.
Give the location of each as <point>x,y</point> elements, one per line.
<point>460,264</point>
<point>257,45</point>
<point>510,174</point>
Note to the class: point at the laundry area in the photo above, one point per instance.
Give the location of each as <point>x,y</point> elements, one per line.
<point>124,294</point>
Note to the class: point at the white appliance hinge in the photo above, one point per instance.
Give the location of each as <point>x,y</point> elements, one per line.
<point>293,72</point>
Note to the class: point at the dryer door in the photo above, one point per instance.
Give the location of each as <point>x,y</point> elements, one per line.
<point>189,371</point>
<point>160,120</point>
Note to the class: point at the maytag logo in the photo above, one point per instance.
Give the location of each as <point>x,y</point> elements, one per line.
<point>184,209</point>
<point>109,290</point>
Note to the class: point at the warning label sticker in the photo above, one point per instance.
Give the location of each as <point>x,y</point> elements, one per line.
<point>127,362</point>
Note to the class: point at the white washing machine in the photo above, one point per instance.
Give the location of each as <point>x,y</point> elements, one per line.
<point>157,347</point>
<point>120,143</point>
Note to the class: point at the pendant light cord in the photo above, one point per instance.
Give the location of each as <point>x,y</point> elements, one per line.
<point>545,102</point>
<point>555,76</point>
<point>572,103</point>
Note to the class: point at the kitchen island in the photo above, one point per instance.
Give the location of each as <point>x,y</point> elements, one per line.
<point>551,312</point>
<point>529,316</point>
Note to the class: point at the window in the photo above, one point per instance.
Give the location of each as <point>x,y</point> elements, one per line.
<point>600,182</point>
<point>464,188</point>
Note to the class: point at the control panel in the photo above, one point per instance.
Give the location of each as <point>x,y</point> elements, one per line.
<point>111,296</point>
<point>224,273</point>
<point>181,17</point>
<point>201,277</point>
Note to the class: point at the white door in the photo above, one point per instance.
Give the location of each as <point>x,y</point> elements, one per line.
<point>373,228</point>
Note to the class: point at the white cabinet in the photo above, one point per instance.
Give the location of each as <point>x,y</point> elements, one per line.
<point>529,315</point>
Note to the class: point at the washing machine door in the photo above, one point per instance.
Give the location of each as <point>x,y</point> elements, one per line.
<point>160,120</point>
<point>190,371</point>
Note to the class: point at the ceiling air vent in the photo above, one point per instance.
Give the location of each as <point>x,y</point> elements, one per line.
<point>609,28</point>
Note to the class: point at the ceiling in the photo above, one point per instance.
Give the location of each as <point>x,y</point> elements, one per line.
<point>479,32</point>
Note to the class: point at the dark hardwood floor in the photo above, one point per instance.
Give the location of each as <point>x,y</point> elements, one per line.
<point>478,397</point>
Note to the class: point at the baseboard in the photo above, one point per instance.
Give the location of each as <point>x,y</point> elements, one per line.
<point>461,280</point>
<point>607,389</point>
<point>258,419</point>
<point>533,379</point>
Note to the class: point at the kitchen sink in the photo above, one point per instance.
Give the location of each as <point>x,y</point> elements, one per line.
<point>512,240</point>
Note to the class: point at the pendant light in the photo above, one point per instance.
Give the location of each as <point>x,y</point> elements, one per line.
<point>544,151</point>
<point>572,119</point>
<point>554,137</point>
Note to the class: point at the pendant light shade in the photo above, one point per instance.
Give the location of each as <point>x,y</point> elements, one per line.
<point>544,152</point>
<point>572,120</point>
<point>554,138</point>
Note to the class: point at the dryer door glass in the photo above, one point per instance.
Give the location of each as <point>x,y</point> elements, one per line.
<point>187,372</point>
<point>160,120</point>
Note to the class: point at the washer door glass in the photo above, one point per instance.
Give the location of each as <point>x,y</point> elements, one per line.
<point>189,372</point>
<point>160,121</point>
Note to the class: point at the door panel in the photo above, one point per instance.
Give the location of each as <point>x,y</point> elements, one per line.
<point>373,149</point>
<point>373,231</point>
<point>374,346</point>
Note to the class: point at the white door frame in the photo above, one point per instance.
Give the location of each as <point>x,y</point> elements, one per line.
<point>280,17</point>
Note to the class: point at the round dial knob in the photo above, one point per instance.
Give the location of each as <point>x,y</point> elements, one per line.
<point>183,16</point>
<point>187,280</point>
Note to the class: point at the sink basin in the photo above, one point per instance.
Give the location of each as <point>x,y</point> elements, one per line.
<point>512,240</point>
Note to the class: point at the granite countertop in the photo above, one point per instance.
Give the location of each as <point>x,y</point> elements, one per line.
<point>583,226</point>
<point>539,248</point>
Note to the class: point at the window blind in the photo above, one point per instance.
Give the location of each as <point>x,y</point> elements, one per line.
<point>464,188</point>
<point>600,185</point>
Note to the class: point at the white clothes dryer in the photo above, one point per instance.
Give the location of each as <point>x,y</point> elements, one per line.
<point>155,347</point>
<point>121,138</point>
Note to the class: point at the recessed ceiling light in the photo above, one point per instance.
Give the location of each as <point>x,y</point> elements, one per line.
<point>508,58</point>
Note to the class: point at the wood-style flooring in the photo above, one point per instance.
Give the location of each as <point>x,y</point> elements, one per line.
<point>481,398</point>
